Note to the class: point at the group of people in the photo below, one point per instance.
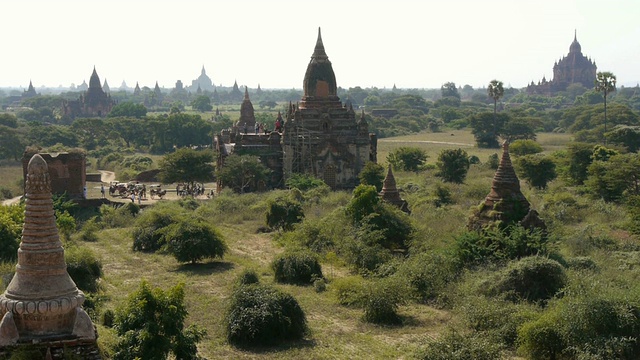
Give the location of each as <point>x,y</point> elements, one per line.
<point>186,189</point>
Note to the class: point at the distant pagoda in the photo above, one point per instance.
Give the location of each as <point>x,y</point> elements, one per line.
<point>390,193</point>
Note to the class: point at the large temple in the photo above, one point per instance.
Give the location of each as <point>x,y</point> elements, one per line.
<point>203,82</point>
<point>320,136</point>
<point>92,103</point>
<point>574,68</point>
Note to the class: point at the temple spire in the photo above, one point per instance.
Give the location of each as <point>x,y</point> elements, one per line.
<point>318,52</point>
<point>246,93</point>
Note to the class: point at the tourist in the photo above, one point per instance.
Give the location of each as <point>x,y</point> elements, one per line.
<point>257,128</point>
<point>133,197</point>
<point>102,190</point>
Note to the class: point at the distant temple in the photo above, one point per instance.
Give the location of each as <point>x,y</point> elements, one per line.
<point>247,114</point>
<point>319,136</point>
<point>236,94</point>
<point>105,87</point>
<point>203,81</point>
<point>30,92</point>
<point>92,103</point>
<point>574,68</point>
<point>390,193</point>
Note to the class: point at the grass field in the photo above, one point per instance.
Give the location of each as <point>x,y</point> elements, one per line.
<point>336,332</point>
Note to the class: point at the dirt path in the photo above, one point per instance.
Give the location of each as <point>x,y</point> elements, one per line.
<point>107,176</point>
<point>427,142</point>
<point>13,201</point>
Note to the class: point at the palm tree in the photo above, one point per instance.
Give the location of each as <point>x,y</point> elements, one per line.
<point>495,91</point>
<point>605,83</point>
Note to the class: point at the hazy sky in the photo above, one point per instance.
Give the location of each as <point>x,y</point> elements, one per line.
<point>413,44</point>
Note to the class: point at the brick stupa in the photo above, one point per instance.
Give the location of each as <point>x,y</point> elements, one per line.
<point>390,192</point>
<point>42,304</point>
<point>505,203</point>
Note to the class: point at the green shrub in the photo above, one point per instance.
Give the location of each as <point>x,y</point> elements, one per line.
<point>594,325</point>
<point>84,267</point>
<point>148,233</point>
<point>524,147</point>
<point>247,277</point>
<point>372,174</point>
<point>259,315</point>
<point>304,182</point>
<point>107,318</point>
<point>428,274</point>
<point>320,285</point>
<point>382,300</point>
<point>299,267</point>
<point>407,158</point>
<point>582,263</point>
<point>150,325</point>
<point>493,161</point>
<point>11,220</point>
<point>89,230</point>
<point>538,170</point>
<point>453,165</point>
<point>456,346</point>
<point>5,193</point>
<point>491,245</point>
<point>532,278</point>
<point>349,291</point>
<point>191,240</point>
<point>473,160</point>
<point>441,195</point>
<point>283,213</point>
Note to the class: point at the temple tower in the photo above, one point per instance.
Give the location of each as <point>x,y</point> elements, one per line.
<point>41,304</point>
<point>505,203</point>
<point>390,192</point>
<point>247,114</point>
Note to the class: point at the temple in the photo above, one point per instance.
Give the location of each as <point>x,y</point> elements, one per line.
<point>318,136</point>
<point>390,193</point>
<point>92,103</point>
<point>42,307</point>
<point>505,204</point>
<point>574,68</point>
<point>203,81</point>
<point>30,92</point>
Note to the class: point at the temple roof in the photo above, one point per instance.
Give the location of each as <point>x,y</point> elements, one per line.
<point>320,80</point>
<point>575,45</point>
<point>94,81</point>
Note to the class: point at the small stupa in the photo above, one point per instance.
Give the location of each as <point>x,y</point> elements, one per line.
<point>505,202</point>
<point>42,304</point>
<point>391,194</point>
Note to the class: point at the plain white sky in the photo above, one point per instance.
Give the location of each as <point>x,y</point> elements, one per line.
<point>413,44</point>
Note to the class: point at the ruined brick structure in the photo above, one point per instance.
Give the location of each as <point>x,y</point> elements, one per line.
<point>67,172</point>
<point>320,136</point>
<point>391,194</point>
<point>247,115</point>
<point>574,68</point>
<point>92,103</point>
<point>505,203</point>
<point>41,307</point>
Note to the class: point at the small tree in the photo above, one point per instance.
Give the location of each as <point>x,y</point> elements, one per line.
<point>243,173</point>
<point>151,325</point>
<point>495,90</point>
<point>301,267</point>
<point>407,158</point>
<point>605,83</point>
<point>187,165</point>
<point>191,240</point>
<point>453,165</point>
<point>11,220</point>
<point>537,170</point>
<point>283,213</point>
<point>486,128</point>
<point>372,174</point>
<point>524,147</point>
<point>202,103</point>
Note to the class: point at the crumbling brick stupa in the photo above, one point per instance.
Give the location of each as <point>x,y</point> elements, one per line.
<point>505,203</point>
<point>390,193</point>
<point>41,308</point>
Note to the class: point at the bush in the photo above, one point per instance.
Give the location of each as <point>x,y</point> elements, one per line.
<point>107,318</point>
<point>524,147</point>
<point>349,291</point>
<point>148,234</point>
<point>473,160</point>
<point>407,158</point>
<point>84,268</point>
<point>453,165</point>
<point>382,300</point>
<point>150,325</point>
<point>456,346</point>
<point>493,161</point>
<point>492,245</point>
<point>247,277</point>
<point>89,230</point>
<point>5,193</point>
<point>191,240</point>
<point>283,213</point>
<point>536,169</point>
<point>296,268</point>
<point>589,326</point>
<point>372,174</point>
<point>428,274</point>
<point>533,278</point>
<point>258,315</point>
<point>11,220</point>
<point>441,195</point>
<point>303,182</point>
